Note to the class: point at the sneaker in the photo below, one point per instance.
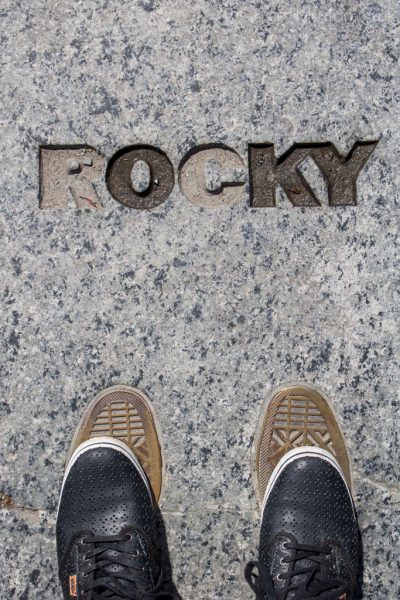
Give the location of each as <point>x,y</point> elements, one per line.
<point>108,531</point>
<point>126,414</point>
<point>295,416</point>
<point>309,541</point>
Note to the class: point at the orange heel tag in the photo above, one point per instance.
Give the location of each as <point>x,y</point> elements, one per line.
<point>72,586</point>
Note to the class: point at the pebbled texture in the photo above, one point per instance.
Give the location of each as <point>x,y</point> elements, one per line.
<point>205,309</point>
<point>309,503</point>
<point>104,495</point>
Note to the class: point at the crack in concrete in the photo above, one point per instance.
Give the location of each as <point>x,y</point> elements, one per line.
<point>33,515</point>
<point>383,485</point>
<point>8,503</point>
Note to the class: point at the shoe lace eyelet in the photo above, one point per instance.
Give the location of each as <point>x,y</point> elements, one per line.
<point>135,553</point>
<point>285,545</point>
<point>283,561</point>
<point>279,577</point>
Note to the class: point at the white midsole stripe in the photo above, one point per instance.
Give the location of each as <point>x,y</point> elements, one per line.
<point>104,442</point>
<point>298,453</point>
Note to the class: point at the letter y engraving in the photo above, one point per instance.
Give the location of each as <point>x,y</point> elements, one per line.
<point>341,173</point>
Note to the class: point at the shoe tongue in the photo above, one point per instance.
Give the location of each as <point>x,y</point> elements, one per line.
<point>312,592</point>
<point>144,569</point>
<point>313,588</point>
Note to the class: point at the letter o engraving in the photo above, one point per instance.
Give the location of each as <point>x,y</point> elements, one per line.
<point>119,181</point>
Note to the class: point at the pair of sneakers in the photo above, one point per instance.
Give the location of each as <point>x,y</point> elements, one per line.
<point>107,534</point>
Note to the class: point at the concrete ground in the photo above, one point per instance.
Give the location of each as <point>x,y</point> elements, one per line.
<point>204,309</point>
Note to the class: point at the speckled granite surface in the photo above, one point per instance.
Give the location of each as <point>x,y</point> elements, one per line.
<point>205,310</point>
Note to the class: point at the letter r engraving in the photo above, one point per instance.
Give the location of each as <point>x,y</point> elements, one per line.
<point>69,172</point>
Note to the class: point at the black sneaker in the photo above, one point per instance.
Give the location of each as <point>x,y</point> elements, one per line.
<point>106,529</point>
<point>309,541</point>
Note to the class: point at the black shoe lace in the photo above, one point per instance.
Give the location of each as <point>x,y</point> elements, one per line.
<point>313,585</point>
<point>105,585</point>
